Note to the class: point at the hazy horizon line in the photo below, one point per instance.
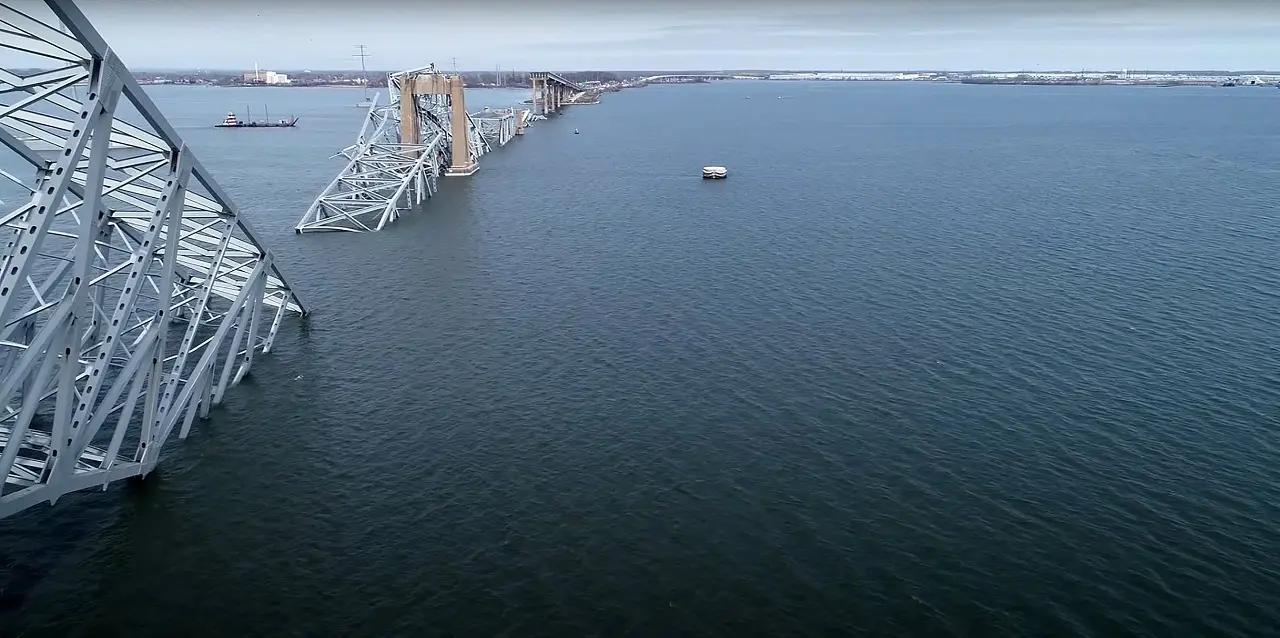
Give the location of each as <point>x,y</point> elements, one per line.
<point>732,70</point>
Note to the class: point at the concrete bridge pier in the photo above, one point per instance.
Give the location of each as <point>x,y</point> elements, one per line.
<point>537,95</point>
<point>462,161</point>
<point>409,133</point>
<point>550,91</point>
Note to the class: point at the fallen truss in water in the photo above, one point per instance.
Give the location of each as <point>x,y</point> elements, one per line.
<point>132,292</point>
<point>500,126</point>
<point>403,148</point>
<point>382,178</point>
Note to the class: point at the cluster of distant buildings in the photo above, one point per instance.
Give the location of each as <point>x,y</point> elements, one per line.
<point>1123,78</point>
<point>254,78</point>
<point>308,77</point>
<point>267,77</point>
<point>613,81</point>
<point>859,76</point>
<point>1046,77</point>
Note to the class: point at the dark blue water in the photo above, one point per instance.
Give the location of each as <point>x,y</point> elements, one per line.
<point>934,360</point>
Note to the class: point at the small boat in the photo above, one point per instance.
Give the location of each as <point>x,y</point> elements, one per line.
<point>575,131</point>
<point>714,172</point>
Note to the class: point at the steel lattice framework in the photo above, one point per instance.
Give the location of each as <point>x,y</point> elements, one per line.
<point>382,178</point>
<point>498,127</point>
<point>133,293</point>
<point>386,175</point>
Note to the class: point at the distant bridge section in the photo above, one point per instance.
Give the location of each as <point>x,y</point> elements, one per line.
<point>552,91</point>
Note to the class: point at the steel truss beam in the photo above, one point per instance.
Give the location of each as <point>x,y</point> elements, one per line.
<point>386,175</point>
<point>383,176</point>
<point>498,127</point>
<point>132,293</point>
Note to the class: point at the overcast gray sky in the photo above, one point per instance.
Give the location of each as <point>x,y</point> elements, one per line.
<point>694,34</point>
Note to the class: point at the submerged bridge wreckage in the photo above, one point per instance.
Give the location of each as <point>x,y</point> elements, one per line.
<point>133,292</point>
<point>424,131</point>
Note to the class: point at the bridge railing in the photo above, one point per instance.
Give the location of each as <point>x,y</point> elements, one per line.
<point>558,79</point>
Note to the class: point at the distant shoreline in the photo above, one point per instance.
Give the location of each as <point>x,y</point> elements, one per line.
<point>297,86</point>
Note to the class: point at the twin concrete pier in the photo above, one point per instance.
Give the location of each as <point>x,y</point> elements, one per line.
<point>438,85</point>
<point>423,132</point>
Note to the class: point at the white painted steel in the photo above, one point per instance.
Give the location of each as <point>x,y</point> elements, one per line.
<point>498,126</point>
<point>386,176</point>
<point>383,176</point>
<point>125,243</point>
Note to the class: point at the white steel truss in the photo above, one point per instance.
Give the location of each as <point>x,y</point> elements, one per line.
<point>132,293</point>
<point>499,126</point>
<point>385,176</point>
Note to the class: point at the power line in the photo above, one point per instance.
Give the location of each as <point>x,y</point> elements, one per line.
<point>362,55</point>
<point>364,72</point>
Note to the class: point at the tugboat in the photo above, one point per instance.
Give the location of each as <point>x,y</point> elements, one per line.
<point>231,121</point>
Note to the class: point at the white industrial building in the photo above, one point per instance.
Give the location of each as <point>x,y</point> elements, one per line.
<point>266,77</point>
